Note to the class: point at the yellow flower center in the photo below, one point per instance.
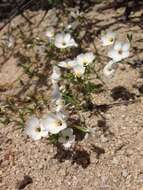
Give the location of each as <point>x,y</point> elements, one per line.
<point>84,61</point>
<point>58,123</point>
<point>78,74</point>
<point>111,39</point>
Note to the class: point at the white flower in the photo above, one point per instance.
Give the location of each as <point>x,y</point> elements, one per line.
<point>64,40</point>
<point>119,51</point>
<point>50,32</point>
<point>59,103</point>
<point>56,75</point>
<point>55,92</point>
<point>85,58</point>
<point>67,139</point>
<point>67,63</point>
<point>79,70</point>
<point>54,123</point>
<point>110,69</point>
<point>35,129</point>
<point>108,38</point>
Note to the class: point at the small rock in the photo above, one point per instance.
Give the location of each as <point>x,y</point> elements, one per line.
<point>103,139</point>
<point>26,181</point>
<point>125,173</point>
<point>115,161</point>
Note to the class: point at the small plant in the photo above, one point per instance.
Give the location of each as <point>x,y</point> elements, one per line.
<point>118,51</point>
<point>59,116</point>
<point>71,86</point>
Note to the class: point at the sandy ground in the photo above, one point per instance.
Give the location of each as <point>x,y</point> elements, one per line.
<point>112,159</point>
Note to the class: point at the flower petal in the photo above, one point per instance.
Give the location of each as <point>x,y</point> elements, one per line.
<point>79,70</point>
<point>67,38</point>
<point>109,69</point>
<point>51,123</point>
<point>117,45</point>
<point>126,46</point>
<point>56,92</point>
<point>63,64</point>
<point>125,54</point>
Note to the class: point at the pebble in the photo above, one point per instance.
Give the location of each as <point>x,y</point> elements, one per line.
<point>115,161</point>
<point>103,139</point>
<point>125,173</point>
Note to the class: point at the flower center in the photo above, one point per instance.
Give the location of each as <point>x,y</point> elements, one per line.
<point>120,51</point>
<point>63,43</point>
<point>111,39</point>
<point>67,137</point>
<point>59,123</point>
<point>38,129</point>
<point>110,69</point>
<point>85,63</point>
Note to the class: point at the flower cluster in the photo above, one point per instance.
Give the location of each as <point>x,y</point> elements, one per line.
<point>118,52</point>
<point>78,65</point>
<point>55,122</point>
